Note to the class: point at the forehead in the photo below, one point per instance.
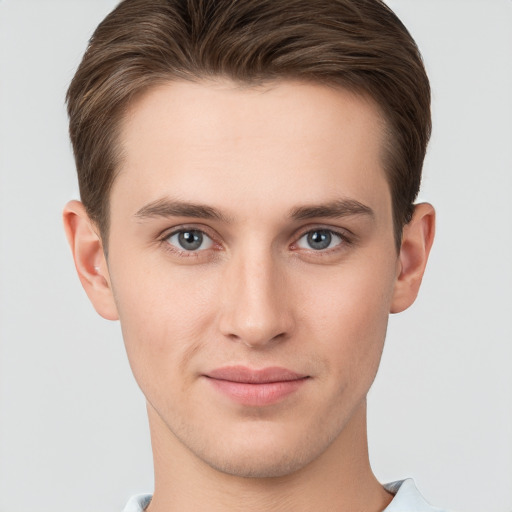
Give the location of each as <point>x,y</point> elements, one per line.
<point>285,142</point>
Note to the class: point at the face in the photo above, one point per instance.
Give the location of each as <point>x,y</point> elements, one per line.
<point>253,265</point>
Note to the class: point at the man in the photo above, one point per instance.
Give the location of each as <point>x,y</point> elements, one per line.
<point>247,172</point>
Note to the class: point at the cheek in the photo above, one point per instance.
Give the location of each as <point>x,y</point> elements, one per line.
<point>349,318</point>
<point>165,318</point>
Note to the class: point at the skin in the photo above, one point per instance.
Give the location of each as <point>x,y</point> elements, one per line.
<point>254,162</point>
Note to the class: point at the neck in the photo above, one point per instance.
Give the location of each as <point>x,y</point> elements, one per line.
<point>340,479</point>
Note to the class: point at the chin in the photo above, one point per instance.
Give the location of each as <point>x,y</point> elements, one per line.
<point>263,465</point>
<point>264,456</point>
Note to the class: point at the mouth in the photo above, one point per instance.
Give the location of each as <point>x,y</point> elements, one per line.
<point>256,387</point>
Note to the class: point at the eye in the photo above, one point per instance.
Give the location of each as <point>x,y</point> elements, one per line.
<point>190,240</point>
<point>319,240</point>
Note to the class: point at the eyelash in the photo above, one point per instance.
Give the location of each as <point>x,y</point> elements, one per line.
<point>164,240</point>
<point>345,240</point>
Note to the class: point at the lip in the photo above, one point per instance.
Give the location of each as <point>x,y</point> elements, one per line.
<point>256,387</point>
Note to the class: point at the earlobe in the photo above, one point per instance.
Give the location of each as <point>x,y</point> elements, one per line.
<point>89,258</point>
<point>417,239</point>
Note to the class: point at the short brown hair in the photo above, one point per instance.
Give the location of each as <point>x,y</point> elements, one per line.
<point>357,44</point>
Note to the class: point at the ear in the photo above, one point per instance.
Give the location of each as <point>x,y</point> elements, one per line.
<point>91,265</point>
<point>417,239</point>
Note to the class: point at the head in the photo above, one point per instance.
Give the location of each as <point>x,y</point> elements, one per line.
<point>358,46</point>
<point>252,167</point>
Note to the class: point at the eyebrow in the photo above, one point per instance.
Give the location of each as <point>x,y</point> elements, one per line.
<point>332,210</point>
<point>166,207</point>
<point>174,208</point>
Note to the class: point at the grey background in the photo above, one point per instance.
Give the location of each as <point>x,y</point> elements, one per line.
<point>73,432</point>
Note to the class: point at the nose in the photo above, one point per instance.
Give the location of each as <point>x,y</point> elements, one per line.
<point>255,301</point>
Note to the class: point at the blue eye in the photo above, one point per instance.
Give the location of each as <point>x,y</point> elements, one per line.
<point>190,240</point>
<point>319,240</point>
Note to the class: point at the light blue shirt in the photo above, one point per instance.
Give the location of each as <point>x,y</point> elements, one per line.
<point>407,499</point>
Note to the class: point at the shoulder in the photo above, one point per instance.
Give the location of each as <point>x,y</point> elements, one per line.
<point>138,503</point>
<point>408,498</point>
